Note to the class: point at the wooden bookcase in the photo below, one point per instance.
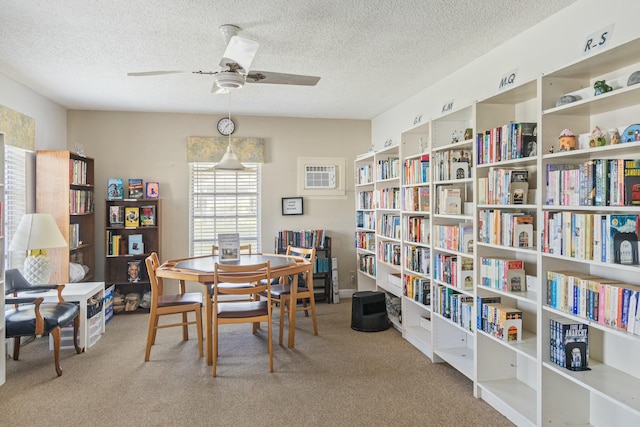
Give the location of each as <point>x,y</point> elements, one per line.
<point>322,267</point>
<point>65,189</point>
<point>118,256</point>
<point>519,377</point>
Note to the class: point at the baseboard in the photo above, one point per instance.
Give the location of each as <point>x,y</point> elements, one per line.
<point>346,293</point>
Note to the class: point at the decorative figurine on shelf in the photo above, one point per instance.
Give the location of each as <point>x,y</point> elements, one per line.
<point>454,137</point>
<point>614,136</point>
<point>551,150</point>
<point>601,87</point>
<point>597,138</point>
<point>634,78</point>
<point>566,99</point>
<point>566,141</point>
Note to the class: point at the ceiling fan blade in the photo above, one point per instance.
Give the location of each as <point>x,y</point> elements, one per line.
<point>281,78</point>
<point>240,51</point>
<point>156,73</point>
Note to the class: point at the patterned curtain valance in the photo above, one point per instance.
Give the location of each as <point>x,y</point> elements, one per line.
<point>212,148</point>
<point>19,130</point>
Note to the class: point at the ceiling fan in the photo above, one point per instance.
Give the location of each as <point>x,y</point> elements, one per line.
<point>235,66</point>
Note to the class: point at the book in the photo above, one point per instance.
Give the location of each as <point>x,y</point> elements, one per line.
<point>134,270</point>
<point>423,199</point>
<point>632,182</point>
<point>131,216</point>
<point>229,247</point>
<point>465,273</point>
<point>459,169</point>
<point>570,344</point>
<point>623,239</point>
<point>152,190</point>
<point>136,189</point>
<point>136,246</point>
<point>116,216</point>
<point>529,139</point>
<point>147,216</point>
<point>115,189</point>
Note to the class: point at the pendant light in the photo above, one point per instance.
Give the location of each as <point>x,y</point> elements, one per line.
<point>229,161</point>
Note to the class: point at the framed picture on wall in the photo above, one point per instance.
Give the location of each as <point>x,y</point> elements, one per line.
<point>292,206</point>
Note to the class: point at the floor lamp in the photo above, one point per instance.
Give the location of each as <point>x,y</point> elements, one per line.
<point>36,233</point>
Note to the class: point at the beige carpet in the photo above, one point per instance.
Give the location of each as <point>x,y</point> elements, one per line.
<point>339,378</point>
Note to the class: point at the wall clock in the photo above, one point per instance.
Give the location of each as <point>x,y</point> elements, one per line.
<point>226,126</point>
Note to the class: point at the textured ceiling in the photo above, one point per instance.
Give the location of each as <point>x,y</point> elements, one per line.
<point>370,54</point>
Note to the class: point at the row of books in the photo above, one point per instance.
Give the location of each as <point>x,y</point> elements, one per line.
<point>417,288</point>
<point>78,172</point>
<point>389,252</point>
<point>503,273</point>
<point>388,198</point>
<point>416,199</point>
<point>498,227</point>
<point>504,186</point>
<point>606,301</point>
<point>366,220</point>
<point>138,189</point>
<point>507,142</point>
<point>364,175</point>
<point>417,229</point>
<point>595,182</point>
<point>452,164</point>
<point>117,244</point>
<point>449,200</point>
<point>389,226</point>
<point>610,238</point>
<point>81,201</point>
<point>365,200</point>
<point>322,265</point>
<point>453,305</point>
<point>569,344</point>
<point>132,216</point>
<point>366,240</point>
<point>417,259</point>
<point>367,264</point>
<point>301,239</point>
<point>416,171</point>
<point>388,168</point>
<point>454,270</point>
<point>74,236</point>
<point>499,320</point>
<point>457,238</point>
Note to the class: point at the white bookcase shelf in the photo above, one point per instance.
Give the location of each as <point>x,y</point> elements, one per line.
<point>518,377</point>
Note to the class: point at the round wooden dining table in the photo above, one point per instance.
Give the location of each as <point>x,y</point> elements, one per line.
<point>201,270</point>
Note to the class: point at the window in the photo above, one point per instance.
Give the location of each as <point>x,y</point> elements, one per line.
<point>15,199</point>
<point>223,201</point>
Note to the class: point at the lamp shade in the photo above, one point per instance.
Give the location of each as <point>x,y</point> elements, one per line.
<point>230,161</point>
<point>37,231</point>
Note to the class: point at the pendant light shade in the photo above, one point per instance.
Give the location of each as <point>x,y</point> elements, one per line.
<point>230,161</point>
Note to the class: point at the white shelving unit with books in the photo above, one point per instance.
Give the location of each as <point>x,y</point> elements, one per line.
<point>365,235</point>
<point>590,265</point>
<point>452,231</point>
<point>507,256</point>
<point>388,229</point>
<point>416,238</point>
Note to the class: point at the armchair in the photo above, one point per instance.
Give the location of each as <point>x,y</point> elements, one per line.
<point>29,315</point>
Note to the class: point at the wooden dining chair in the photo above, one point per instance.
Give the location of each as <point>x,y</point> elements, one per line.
<point>165,304</point>
<point>281,292</point>
<point>254,311</point>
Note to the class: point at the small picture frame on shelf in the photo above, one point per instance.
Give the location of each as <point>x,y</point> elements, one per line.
<point>292,206</point>
<point>152,190</point>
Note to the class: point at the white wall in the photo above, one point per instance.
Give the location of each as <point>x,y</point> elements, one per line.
<point>552,44</point>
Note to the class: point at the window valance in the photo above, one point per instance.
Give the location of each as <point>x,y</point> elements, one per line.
<point>212,148</point>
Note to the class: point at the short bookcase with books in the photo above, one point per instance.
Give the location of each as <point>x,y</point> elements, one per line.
<point>132,232</point>
<point>321,265</point>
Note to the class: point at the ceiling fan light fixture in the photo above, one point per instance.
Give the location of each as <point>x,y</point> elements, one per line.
<point>230,80</point>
